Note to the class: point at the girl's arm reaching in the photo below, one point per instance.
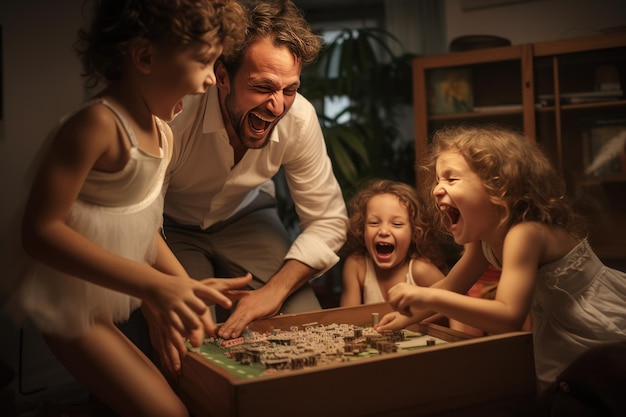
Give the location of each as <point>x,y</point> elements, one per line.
<point>461,277</point>
<point>91,140</point>
<point>521,253</point>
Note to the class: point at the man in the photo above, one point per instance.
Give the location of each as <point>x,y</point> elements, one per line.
<point>220,211</point>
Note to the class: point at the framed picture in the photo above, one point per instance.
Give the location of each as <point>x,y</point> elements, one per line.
<point>605,143</point>
<point>450,91</point>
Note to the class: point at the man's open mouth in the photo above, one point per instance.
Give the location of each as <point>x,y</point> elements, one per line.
<point>257,124</point>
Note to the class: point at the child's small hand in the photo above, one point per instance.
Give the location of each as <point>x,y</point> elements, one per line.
<point>223,291</point>
<point>220,291</point>
<point>394,321</point>
<point>167,343</point>
<point>181,302</point>
<point>402,296</point>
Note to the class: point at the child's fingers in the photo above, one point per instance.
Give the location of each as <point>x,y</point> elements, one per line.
<point>185,320</point>
<point>196,337</point>
<point>177,343</point>
<point>225,284</point>
<point>208,324</point>
<point>212,296</point>
<point>239,282</point>
<point>387,318</point>
<point>173,351</point>
<point>237,294</point>
<point>223,290</point>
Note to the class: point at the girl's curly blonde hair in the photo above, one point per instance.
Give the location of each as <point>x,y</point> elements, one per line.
<point>515,172</point>
<point>423,242</point>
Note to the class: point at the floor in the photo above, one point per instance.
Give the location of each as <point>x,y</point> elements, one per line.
<point>64,401</point>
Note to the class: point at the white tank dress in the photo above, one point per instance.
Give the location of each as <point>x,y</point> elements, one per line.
<point>578,303</point>
<point>371,288</point>
<point>121,212</point>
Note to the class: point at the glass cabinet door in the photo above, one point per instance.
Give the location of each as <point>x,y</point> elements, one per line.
<point>581,123</point>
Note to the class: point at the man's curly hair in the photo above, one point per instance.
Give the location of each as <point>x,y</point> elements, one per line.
<point>283,23</point>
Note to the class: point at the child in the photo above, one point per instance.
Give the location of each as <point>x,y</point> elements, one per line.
<point>500,197</point>
<point>388,243</point>
<point>91,223</point>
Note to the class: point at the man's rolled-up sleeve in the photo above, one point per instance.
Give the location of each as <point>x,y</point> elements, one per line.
<point>315,191</point>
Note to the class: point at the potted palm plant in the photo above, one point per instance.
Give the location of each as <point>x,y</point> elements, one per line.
<point>363,138</point>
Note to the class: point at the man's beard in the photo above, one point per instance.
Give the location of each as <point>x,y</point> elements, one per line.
<point>239,121</point>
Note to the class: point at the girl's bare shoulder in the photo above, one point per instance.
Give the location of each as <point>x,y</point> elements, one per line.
<point>356,265</point>
<point>424,270</point>
<point>356,260</point>
<point>551,242</point>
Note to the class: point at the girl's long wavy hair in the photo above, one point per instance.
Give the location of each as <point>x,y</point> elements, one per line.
<point>517,175</point>
<point>423,242</point>
<point>102,47</point>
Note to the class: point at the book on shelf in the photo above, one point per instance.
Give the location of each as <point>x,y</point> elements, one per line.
<point>581,97</point>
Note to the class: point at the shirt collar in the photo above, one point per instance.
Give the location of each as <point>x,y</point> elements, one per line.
<point>213,121</point>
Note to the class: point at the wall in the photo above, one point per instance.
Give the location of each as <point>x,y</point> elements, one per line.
<point>534,20</point>
<point>41,82</point>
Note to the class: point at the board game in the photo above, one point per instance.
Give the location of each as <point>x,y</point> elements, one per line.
<point>285,366</point>
<point>256,354</point>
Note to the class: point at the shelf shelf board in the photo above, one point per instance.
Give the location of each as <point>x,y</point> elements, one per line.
<point>504,111</point>
<point>578,106</point>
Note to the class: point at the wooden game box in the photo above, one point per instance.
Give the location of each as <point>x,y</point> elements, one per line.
<point>470,376</point>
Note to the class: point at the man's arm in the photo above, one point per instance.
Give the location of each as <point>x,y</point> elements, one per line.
<point>322,212</point>
<point>267,300</point>
<point>315,192</point>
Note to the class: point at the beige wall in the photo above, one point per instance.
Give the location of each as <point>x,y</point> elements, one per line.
<point>41,82</point>
<point>534,20</point>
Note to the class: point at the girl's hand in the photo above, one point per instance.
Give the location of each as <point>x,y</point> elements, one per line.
<point>394,321</point>
<point>181,303</point>
<point>403,296</point>
<point>222,291</point>
<point>167,343</point>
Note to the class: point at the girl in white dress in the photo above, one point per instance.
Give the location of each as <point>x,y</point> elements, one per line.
<point>388,242</point>
<point>500,197</point>
<point>91,223</point>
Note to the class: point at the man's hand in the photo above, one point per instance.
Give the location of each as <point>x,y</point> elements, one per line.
<point>266,301</point>
<point>257,304</point>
